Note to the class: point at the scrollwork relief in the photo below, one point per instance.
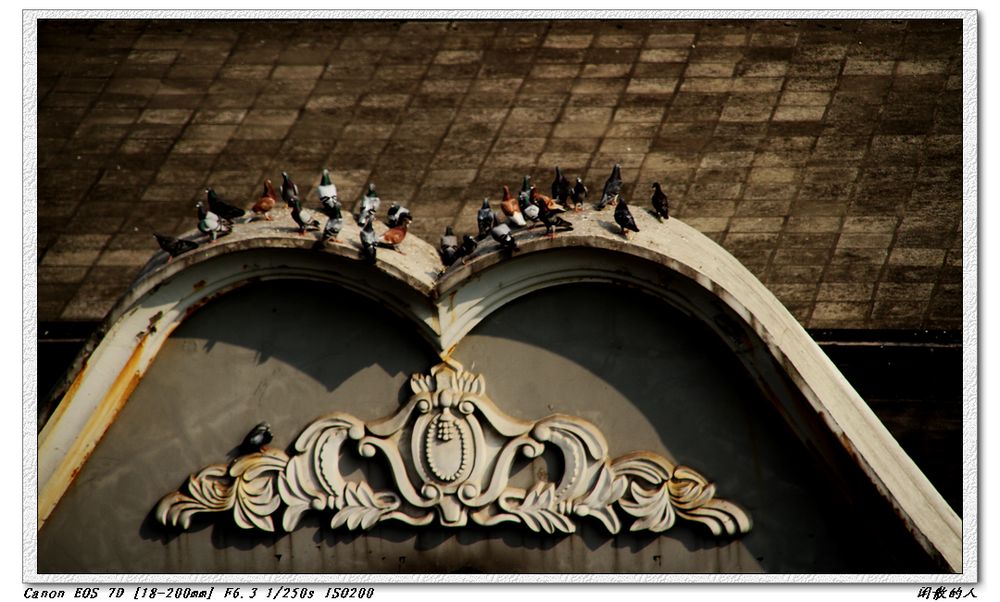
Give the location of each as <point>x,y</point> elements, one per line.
<point>451,455</point>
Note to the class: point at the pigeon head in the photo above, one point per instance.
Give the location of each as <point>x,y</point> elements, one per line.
<point>368,224</point>
<point>371,189</point>
<point>449,231</point>
<point>656,186</point>
<point>326,178</point>
<point>616,171</point>
<point>526,182</point>
<point>486,203</point>
<point>202,212</point>
<point>211,194</point>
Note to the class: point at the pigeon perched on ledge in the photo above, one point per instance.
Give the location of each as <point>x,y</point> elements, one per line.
<point>368,242</point>
<point>578,196</point>
<point>485,219</point>
<point>327,192</point>
<point>211,224</point>
<point>395,236</point>
<point>560,187</point>
<point>174,246</point>
<point>256,439</point>
<point>448,247</point>
<point>289,191</point>
<point>659,200</point>
<point>303,218</point>
<point>501,234</point>
<point>369,205</point>
<point>395,215</point>
<point>268,200</point>
<point>612,187</point>
<point>222,208</point>
<point>512,210</point>
<point>624,219</point>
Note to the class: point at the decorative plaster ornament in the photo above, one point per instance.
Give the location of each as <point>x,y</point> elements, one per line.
<point>451,453</point>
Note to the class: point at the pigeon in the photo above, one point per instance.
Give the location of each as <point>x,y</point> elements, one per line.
<point>289,191</point>
<point>332,228</point>
<point>549,216</point>
<point>485,219</point>
<point>512,210</point>
<point>211,224</point>
<point>256,439</point>
<point>560,186</point>
<point>327,192</point>
<point>394,236</point>
<point>449,247</point>
<point>501,234</point>
<point>623,217</point>
<point>222,208</point>
<point>303,218</point>
<point>396,213</point>
<point>524,197</point>
<point>612,188</point>
<point>659,201</point>
<point>546,202</point>
<point>368,245</point>
<point>578,195</point>
<point>369,205</point>
<point>468,247</point>
<point>174,246</point>
<point>268,199</point>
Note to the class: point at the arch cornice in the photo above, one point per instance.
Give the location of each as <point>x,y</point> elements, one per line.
<point>447,305</point>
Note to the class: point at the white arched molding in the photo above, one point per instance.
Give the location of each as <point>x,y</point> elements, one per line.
<point>448,307</point>
<point>166,293</point>
<point>471,292</point>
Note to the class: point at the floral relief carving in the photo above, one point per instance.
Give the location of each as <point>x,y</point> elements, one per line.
<point>451,456</point>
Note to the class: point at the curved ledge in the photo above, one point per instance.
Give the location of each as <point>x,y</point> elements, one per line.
<point>448,305</point>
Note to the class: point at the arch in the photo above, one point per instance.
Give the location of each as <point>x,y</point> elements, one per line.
<point>666,259</point>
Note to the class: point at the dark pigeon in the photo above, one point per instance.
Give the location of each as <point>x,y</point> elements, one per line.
<point>659,201</point>
<point>560,187</point>
<point>257,438</point>
<point>612,187</point>
<point>623,217</point>
<point>174,246</point>
<point>222,208</point>
<point>578,195</point>
<point>303,218</point>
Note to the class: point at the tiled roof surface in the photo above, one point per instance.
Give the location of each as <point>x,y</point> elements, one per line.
<point>826,155</point>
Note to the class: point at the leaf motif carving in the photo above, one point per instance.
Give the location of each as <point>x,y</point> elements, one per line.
<point>644,485</point>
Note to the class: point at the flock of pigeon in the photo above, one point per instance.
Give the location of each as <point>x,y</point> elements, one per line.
<point>528,209</point>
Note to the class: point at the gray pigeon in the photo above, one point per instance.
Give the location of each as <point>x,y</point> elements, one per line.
<point>289,191</point>
<point>327,192</point>
<point>501,234</point>
<point>303,218</point>
<point>211,224</point>
<point>612,187</point>
<point>485,219</point>
<point>368,242</point>
<point>369,205</point>
<point>449,247</point>
<point>333,227</point>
